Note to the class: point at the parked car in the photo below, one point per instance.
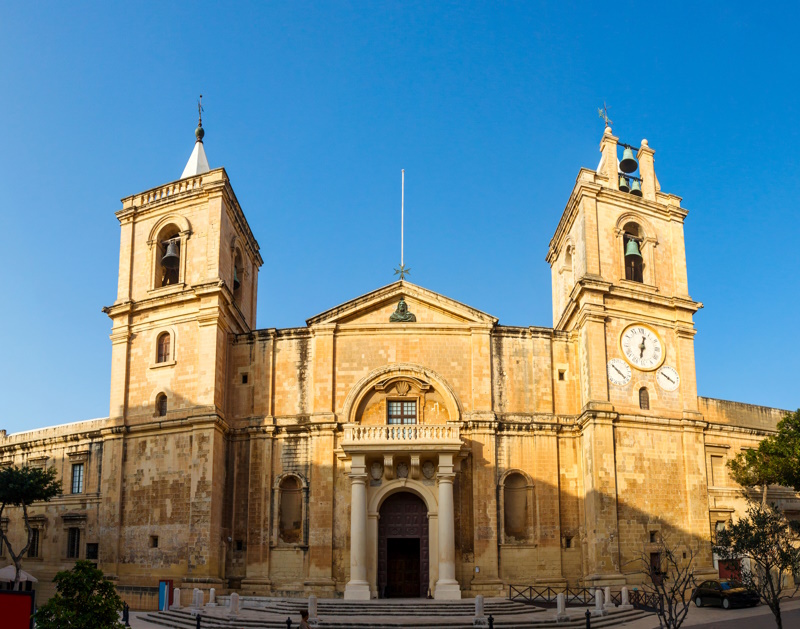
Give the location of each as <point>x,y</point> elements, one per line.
<point>724,593</point>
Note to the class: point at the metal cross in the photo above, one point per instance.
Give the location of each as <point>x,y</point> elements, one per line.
<point>603,113</point>
<point>200,110</point>
<point>402,271</point>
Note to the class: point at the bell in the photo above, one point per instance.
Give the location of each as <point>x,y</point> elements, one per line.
<point>171,259</point>
<point>236,282</point>
<point>636,188</point>
<point>632,249</point>
<point>623,184</point>
<point>628,163</point>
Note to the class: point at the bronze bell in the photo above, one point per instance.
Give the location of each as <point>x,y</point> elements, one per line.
<point>236,282</point>
<point>636,188</point>
<point>632,250</point>
<point>623,184</point>
<point>628,163</point>
<point>171,259</point>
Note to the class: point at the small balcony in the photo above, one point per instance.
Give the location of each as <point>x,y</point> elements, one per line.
<point>401,438</point>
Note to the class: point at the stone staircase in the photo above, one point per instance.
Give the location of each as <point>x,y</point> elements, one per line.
<point>272,613</point>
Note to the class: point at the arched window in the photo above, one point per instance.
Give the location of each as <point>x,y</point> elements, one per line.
<point>644,399</point>
<point>515,507</point>
<point>161,405</point>
<point>632,252</point>
<point>168,265</point>
<point>163,348</point>
<point>238,277</point>
<point>290,511</point>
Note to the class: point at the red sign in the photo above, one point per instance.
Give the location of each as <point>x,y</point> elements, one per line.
<point>16,609</point>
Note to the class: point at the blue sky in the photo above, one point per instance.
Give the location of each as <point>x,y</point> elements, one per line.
<point>313,109</point>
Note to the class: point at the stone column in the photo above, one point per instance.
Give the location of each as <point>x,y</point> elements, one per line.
<point>357,588</point>
<point>447,587</point>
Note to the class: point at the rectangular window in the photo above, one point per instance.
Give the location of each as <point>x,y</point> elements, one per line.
<point>402,412</point>
<point>73,543</point>
<point>77,478</point>
<point>33,549</point>
<point>92,551</point>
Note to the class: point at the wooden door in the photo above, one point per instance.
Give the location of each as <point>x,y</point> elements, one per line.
<point>403,555</point>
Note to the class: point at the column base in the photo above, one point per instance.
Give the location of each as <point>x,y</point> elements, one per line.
<point>357,591</point>
<point>448,591</point>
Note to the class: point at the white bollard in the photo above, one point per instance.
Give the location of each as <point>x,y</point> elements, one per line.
<point>212,598</point>
<point>561,607</point>
<point>313,621</point>
<point>480,619</point>
<point>176,599</point>
<point>609,604</point>
<point>234,605</point>
<point>625,603</point>
<point>198,598</point>
<point>598,603</point>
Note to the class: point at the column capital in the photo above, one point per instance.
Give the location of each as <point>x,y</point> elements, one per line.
<point>358,478</point>
<point>446,477</point>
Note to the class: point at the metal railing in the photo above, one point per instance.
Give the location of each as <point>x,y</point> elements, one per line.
<point>546,596</point>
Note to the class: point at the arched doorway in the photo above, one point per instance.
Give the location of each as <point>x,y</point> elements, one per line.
<point>403,555</point>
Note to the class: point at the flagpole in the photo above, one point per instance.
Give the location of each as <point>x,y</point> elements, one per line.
<point>402,210</point>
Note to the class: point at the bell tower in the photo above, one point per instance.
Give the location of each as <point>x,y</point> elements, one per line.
<point>620,291</point>
<point>188,273</point>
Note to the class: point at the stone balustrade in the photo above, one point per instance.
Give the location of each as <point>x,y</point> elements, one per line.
<point>172,189</point>
<point>400,433</point>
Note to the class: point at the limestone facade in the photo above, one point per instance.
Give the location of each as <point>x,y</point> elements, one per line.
<point>261,460</point>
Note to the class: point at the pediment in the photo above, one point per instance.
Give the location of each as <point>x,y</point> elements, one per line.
<point>378,306</point>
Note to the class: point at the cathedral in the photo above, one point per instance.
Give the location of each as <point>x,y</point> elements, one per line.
<point>400,444</point>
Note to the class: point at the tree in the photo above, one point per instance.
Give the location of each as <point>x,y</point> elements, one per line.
<point>764,541</point>
<point>84,599</point>
<point>776,461</point>
<point>670,575</point>
<point>21,487</point>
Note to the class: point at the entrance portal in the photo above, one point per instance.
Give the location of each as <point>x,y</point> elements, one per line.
<point>403,547</point>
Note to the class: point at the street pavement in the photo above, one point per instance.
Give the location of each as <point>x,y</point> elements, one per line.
<point>759,617</point>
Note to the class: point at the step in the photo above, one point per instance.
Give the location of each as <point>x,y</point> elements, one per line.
<point>182,619</point>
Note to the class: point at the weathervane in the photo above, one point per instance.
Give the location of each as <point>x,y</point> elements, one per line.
<point>603,113</point>
<point>200,111</point>
<point>402,271</point>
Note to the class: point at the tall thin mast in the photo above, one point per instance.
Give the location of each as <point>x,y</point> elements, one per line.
<point>402,271</point>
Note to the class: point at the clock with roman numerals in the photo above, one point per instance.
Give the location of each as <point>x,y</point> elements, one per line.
<point>642,347</point>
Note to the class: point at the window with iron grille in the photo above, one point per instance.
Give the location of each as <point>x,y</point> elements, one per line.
<point>73,543</point>
<point>77,478</point>
<point>644,399</point>
<point>163,348</point>
<point>402,412</point>
<point>161,405</point>
<point>92,551</point>
<point>33,549</point>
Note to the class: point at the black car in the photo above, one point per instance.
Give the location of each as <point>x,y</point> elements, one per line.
<point>723,593</point>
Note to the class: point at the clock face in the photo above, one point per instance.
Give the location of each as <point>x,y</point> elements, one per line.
<point>641,347</point>
<point>619,372</point>
<point>668,378</point>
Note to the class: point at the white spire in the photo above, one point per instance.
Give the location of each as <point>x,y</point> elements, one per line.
<point>198,162</point>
